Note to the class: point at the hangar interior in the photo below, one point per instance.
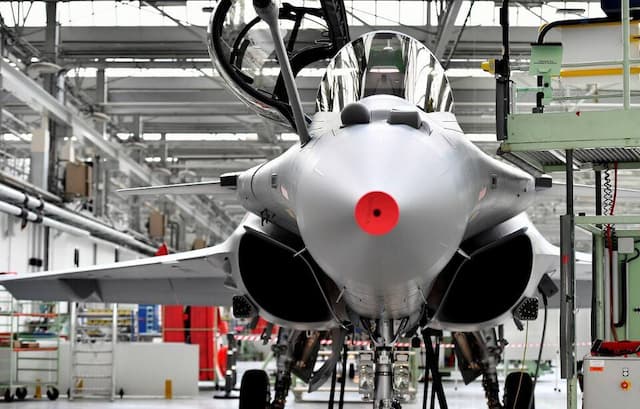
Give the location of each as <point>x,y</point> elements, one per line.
<point>99,96</point>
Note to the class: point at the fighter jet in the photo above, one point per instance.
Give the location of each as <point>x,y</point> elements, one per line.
<point>383,218</point>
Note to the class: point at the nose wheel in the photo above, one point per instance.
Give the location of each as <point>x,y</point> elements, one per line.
<point>254,390</point>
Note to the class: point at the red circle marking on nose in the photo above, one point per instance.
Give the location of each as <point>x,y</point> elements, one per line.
<point>377,213</point>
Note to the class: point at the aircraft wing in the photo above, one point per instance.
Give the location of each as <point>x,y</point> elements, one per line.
<point>191,278</point>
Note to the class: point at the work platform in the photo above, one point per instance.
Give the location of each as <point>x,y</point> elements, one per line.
<point>587,136</point>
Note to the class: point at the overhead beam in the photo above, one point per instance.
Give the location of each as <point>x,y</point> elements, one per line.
<point>446,28</point>
<point>30,93</point>
<point>140,43</point>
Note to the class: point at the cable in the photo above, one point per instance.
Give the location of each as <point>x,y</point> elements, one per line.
<point>615,187</point>
<point>524,356</point>
<point>544,333</point>
<point>611,201</point>
<point>607,191</point>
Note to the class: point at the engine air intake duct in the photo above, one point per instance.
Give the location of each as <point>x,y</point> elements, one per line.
<point>283,282</point>
<point>486,285</point>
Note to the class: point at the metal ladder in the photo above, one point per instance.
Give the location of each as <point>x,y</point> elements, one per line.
<point>93,342</point>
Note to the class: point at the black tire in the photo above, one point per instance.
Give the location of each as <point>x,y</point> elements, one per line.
<point>518,385</point>
<point>254,390</point>
<point>8,396</point>
<point>21,393</point>
<point>53,393</point>
<point>352,371</point>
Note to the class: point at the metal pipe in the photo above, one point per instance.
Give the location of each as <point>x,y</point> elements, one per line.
<point>73,322</point>
<point>608,334</point>
<point>54,224</point>
<point>28,187</point>
<point>615,284</point>
<point>268,11</point>
<point>626,71</point>
<point>114,341</point>
<point>503,75</point>
<point>596,271</point>
<point>587,64</point>
<point>33,217</point>
<point>568,293</point>
<point>100,229</point>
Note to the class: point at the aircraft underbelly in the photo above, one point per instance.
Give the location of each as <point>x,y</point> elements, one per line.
<point>401,301</point>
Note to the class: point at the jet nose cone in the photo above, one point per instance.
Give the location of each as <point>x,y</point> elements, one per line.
<point>377,213</point>
<point>381,209</point>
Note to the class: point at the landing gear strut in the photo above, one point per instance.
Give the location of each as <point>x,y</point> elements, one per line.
<point>390,386</point>
<point>478,354</point>
<point>283,351</point>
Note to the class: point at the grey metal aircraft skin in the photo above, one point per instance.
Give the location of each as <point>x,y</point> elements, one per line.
<point>446,191</point>
<point>388,218</point>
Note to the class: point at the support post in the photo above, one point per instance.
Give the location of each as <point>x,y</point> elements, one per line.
<point>503,75</point>
<point>51,44</point>
<point>2,95</point>
<point>40,141</point>
<point>626,71</point>
<point>597,277</point>
<point>101,99</point>
<point>114,341</point>
<point>567,291</point>
<point>73,322</point>
<point>164,149</point>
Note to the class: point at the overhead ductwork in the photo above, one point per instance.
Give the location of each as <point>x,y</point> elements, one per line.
<point>51,212</point>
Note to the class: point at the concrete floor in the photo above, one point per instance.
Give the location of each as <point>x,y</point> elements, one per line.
<point>462,397</point>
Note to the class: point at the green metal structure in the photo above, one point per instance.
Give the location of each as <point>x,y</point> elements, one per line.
<point>542,142</point>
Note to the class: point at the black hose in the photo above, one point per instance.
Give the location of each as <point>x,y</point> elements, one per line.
<point>544,333</point>
<point>425,391</point>
<point>437,358</point>
<point>584,21</point>
<point>345,351</point>
<point>332,392</point>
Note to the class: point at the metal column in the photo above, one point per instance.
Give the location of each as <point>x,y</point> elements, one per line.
<point>568,291</point>
<point>597,273</point>
<point>626,71</point>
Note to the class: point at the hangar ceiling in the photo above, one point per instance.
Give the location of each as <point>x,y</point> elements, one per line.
<point>167,108</point>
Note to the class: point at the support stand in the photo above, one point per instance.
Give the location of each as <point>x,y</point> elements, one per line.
<point>230,375</point>
<point>431,361</point>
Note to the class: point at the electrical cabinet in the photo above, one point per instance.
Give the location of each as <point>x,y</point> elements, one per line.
<point>611,382</point>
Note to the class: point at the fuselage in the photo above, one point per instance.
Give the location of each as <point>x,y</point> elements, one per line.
<point>382,207</point>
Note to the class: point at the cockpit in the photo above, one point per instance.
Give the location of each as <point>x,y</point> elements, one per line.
<point>316,36</point>
<point>388,63</point>
<point>242,49</point>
